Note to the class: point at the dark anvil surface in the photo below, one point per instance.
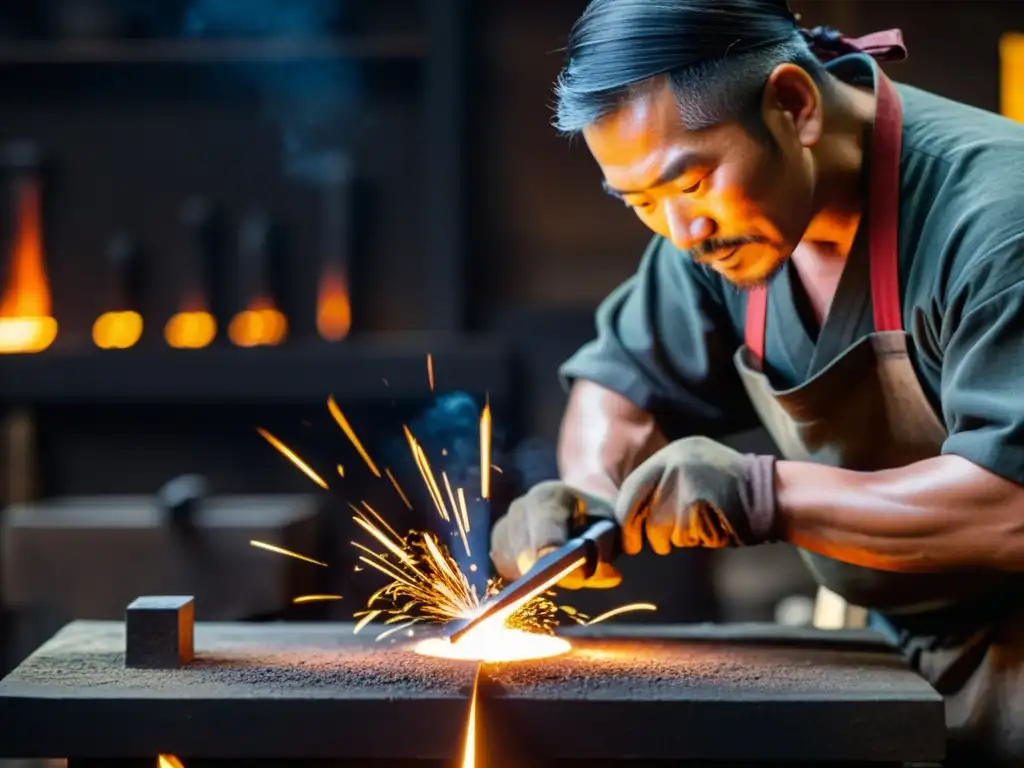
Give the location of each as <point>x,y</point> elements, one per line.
<point>318,691</point>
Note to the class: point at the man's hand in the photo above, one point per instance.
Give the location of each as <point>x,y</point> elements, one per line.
<point>697,493</point>
<point>542,520</point>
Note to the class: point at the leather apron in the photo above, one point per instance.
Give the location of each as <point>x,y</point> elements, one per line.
<point>867,411</point>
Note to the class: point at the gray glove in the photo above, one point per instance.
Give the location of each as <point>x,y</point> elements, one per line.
<point>696,492</point>
<point>542,520</point>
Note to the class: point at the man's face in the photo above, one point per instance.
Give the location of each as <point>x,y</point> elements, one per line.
<point>728,198</point>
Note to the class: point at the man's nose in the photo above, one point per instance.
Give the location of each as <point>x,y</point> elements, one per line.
<point>686,231</point>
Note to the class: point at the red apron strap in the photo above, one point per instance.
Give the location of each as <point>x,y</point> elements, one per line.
<point>884,207</point>
<point>883,220</point>
<point>756,323</point>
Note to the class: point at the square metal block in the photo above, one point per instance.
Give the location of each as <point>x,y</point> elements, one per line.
<point>159,632</point>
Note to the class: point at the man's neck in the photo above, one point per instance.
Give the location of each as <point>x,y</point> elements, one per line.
<point>839,157</point>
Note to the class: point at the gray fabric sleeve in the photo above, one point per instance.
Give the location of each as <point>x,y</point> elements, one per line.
<point>983,370</point>
<point>665,341</point>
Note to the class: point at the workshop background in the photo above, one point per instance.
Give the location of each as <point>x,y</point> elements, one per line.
<point>218,213</point>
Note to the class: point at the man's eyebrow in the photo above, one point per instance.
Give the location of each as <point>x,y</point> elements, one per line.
<point>679,165</point>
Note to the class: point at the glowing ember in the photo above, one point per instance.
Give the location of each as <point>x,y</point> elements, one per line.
<point>289,454</point>
<point>342,422</point>
<point>25,321</point>
<point>117,330</point>
<point>288,552</point>
<point>496,644</point>
<point>485,452</point>
<point>261,324</point>
<point>314,598</point>
<point>333,307</point>
<point>430,370</point>
<point>169,761</point>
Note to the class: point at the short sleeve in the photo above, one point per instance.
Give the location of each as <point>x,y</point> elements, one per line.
<point>983,376</point>
<point>665,341</point>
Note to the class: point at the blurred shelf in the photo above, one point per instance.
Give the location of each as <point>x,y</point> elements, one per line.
<point>351,369</point>
<point>404,46</point>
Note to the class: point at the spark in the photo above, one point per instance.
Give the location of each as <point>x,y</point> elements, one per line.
<point>314,598</point>
<point>485,451</point>
<point>341,470</point>
<point>350,434</point>
<point>428,474</point>
<point>289,454</point>
<point>289,553</point>
<point>430,370</point>
<point>469,750</point>
<point>497,469</point>
<point>460,521</point>
<point>463,510</point>
<point>169,761</point>
<point>621,610</point>
<point>398,488</point>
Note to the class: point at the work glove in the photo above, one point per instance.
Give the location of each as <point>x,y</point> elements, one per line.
<point>543,519</point>
<point>696,492</point>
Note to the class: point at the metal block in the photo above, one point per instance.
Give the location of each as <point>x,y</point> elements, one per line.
<point>159,632</point>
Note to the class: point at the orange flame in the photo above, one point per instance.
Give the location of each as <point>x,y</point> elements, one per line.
<point>117,330</point>
<point>260,324</point>
<point>25,304</point>
<point>191,328</point>
<point>333,307</point>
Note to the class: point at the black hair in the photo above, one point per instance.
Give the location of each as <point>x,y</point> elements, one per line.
<point>716,54</point>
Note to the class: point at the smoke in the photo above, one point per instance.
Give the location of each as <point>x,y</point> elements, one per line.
<point>314,103</point>
<point>449,431</point>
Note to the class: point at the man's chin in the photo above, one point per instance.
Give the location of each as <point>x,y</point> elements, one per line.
<point>756,276</point>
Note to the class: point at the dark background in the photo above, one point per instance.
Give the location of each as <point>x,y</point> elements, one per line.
<point>474,233</point>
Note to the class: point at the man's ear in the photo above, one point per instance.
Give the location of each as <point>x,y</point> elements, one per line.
<point>794,100</point>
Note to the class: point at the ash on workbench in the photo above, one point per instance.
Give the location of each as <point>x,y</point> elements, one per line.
<point>633,669</point>
<point>231,659</point>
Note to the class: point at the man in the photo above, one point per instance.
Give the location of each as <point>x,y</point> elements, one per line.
<point>842,260</point>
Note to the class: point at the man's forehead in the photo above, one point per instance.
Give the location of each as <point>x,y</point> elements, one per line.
<point>645,138</point>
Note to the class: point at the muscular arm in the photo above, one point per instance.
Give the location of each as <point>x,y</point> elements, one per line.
<point>935,514</point>
<point>603,438</point>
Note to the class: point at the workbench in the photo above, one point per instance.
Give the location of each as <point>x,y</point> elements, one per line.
<point>765,695</point>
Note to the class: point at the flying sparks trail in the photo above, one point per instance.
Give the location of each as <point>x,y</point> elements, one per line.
<point>289,454</point>
<point>621,610</point>
<point>339,417</point>
<point>425,584</point>
<point>485,451</point>
<point>314,598</point>
<point>469,750</point>
<point>398,489</point>
<point>289,553</point>
<point>430,370</point>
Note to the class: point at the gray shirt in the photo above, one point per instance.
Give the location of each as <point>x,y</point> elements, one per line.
<point>665,338</point>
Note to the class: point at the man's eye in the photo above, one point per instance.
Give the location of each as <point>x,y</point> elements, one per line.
<point>694,188</point>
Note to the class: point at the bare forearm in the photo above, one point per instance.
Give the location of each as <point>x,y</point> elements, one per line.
<point>602,439</point>
<point>932,515</point>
